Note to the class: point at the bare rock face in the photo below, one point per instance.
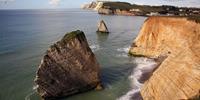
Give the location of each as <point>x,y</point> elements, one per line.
<point>67,68</point>
<point>102,28</point>
<point>95,5</point>
<point>178,76</point>
<point>91,5</point>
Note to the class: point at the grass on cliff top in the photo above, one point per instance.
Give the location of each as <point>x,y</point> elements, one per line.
<point>190,18</point>
<point>194,18</point>
<point>69,36</point>
<point>146,8</point>
<point>118,5</point>
<point>72,35</point>
<point>128,6</point>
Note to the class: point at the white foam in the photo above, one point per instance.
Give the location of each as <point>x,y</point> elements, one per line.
<point>124,49</point>
<point>122,55</point>
<point>123,52</point>
<point>95,47</point>
<point>28,97</point>
<point>35,87</point>
<point>144,65</point>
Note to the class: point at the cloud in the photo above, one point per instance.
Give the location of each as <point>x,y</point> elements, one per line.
<point>5,1</point>
<point>54,2</point>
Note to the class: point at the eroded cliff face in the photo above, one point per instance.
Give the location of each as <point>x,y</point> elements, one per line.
<point>178,76</point>
<point>67,68</point>
<point>93,6</point>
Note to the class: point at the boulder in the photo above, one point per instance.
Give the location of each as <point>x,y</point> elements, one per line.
<point>102,28</point>
<point>178,76</point>
<point>68,67</point>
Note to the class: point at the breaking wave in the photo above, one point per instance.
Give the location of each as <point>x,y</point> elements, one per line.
<point>28,97</point>
<point>140,74</point>
<point>94,47</point>
<point>123,52</point>
<point>125,49</point>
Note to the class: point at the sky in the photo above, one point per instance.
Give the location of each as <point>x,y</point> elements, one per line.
<point>57,4</point>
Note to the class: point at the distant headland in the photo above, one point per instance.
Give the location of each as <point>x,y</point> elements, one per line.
<point>125,8</point>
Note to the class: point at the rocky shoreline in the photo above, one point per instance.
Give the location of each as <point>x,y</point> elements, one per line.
<point>70,67</point>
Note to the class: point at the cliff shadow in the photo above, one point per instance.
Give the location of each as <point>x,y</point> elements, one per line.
<point>114,73</point>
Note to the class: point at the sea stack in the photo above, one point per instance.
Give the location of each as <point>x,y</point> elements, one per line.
<point>102,28</point>
<point>68,67</point>
<point>178,76</point>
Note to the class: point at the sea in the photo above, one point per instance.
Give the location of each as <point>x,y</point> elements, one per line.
<point>25,35</point>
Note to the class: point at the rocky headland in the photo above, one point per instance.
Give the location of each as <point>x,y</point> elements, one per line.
<point>127,9</point>
<point>178,75</point>
<point>93,5</point>
<point>68,67</point>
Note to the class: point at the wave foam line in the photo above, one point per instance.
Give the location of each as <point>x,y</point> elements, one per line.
<point>141,73</point>
<point>32,92</point>
<point>94,47</point>
<point>125,49</point>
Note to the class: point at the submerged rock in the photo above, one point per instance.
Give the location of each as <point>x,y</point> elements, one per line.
<point>102,28</point>
<point>68,67</point>
<point>178,76</point>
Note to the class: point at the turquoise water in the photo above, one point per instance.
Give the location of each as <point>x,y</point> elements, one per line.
<point>26,34</point>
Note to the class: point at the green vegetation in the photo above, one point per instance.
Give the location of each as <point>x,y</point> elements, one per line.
<point>117,5</point>
<point>69,36</point>
<point>190,18</point>
<point>156,10</point>
<point>135,54</point>
<point>128,6</point>
<point>72,35</point>
<point>194,18</point>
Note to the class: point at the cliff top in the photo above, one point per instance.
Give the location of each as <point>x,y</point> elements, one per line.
<point>195,19</point>
<point>68,37</point>
<point>72,35</point>
<point>118,5</point>
<point>146,8</point>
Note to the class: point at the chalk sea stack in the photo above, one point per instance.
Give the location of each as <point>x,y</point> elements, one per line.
<point>68,67</point>
<point>102,28</point>
<point>178,76</point>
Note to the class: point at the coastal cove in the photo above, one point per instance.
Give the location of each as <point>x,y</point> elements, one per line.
<point>26,35</point>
